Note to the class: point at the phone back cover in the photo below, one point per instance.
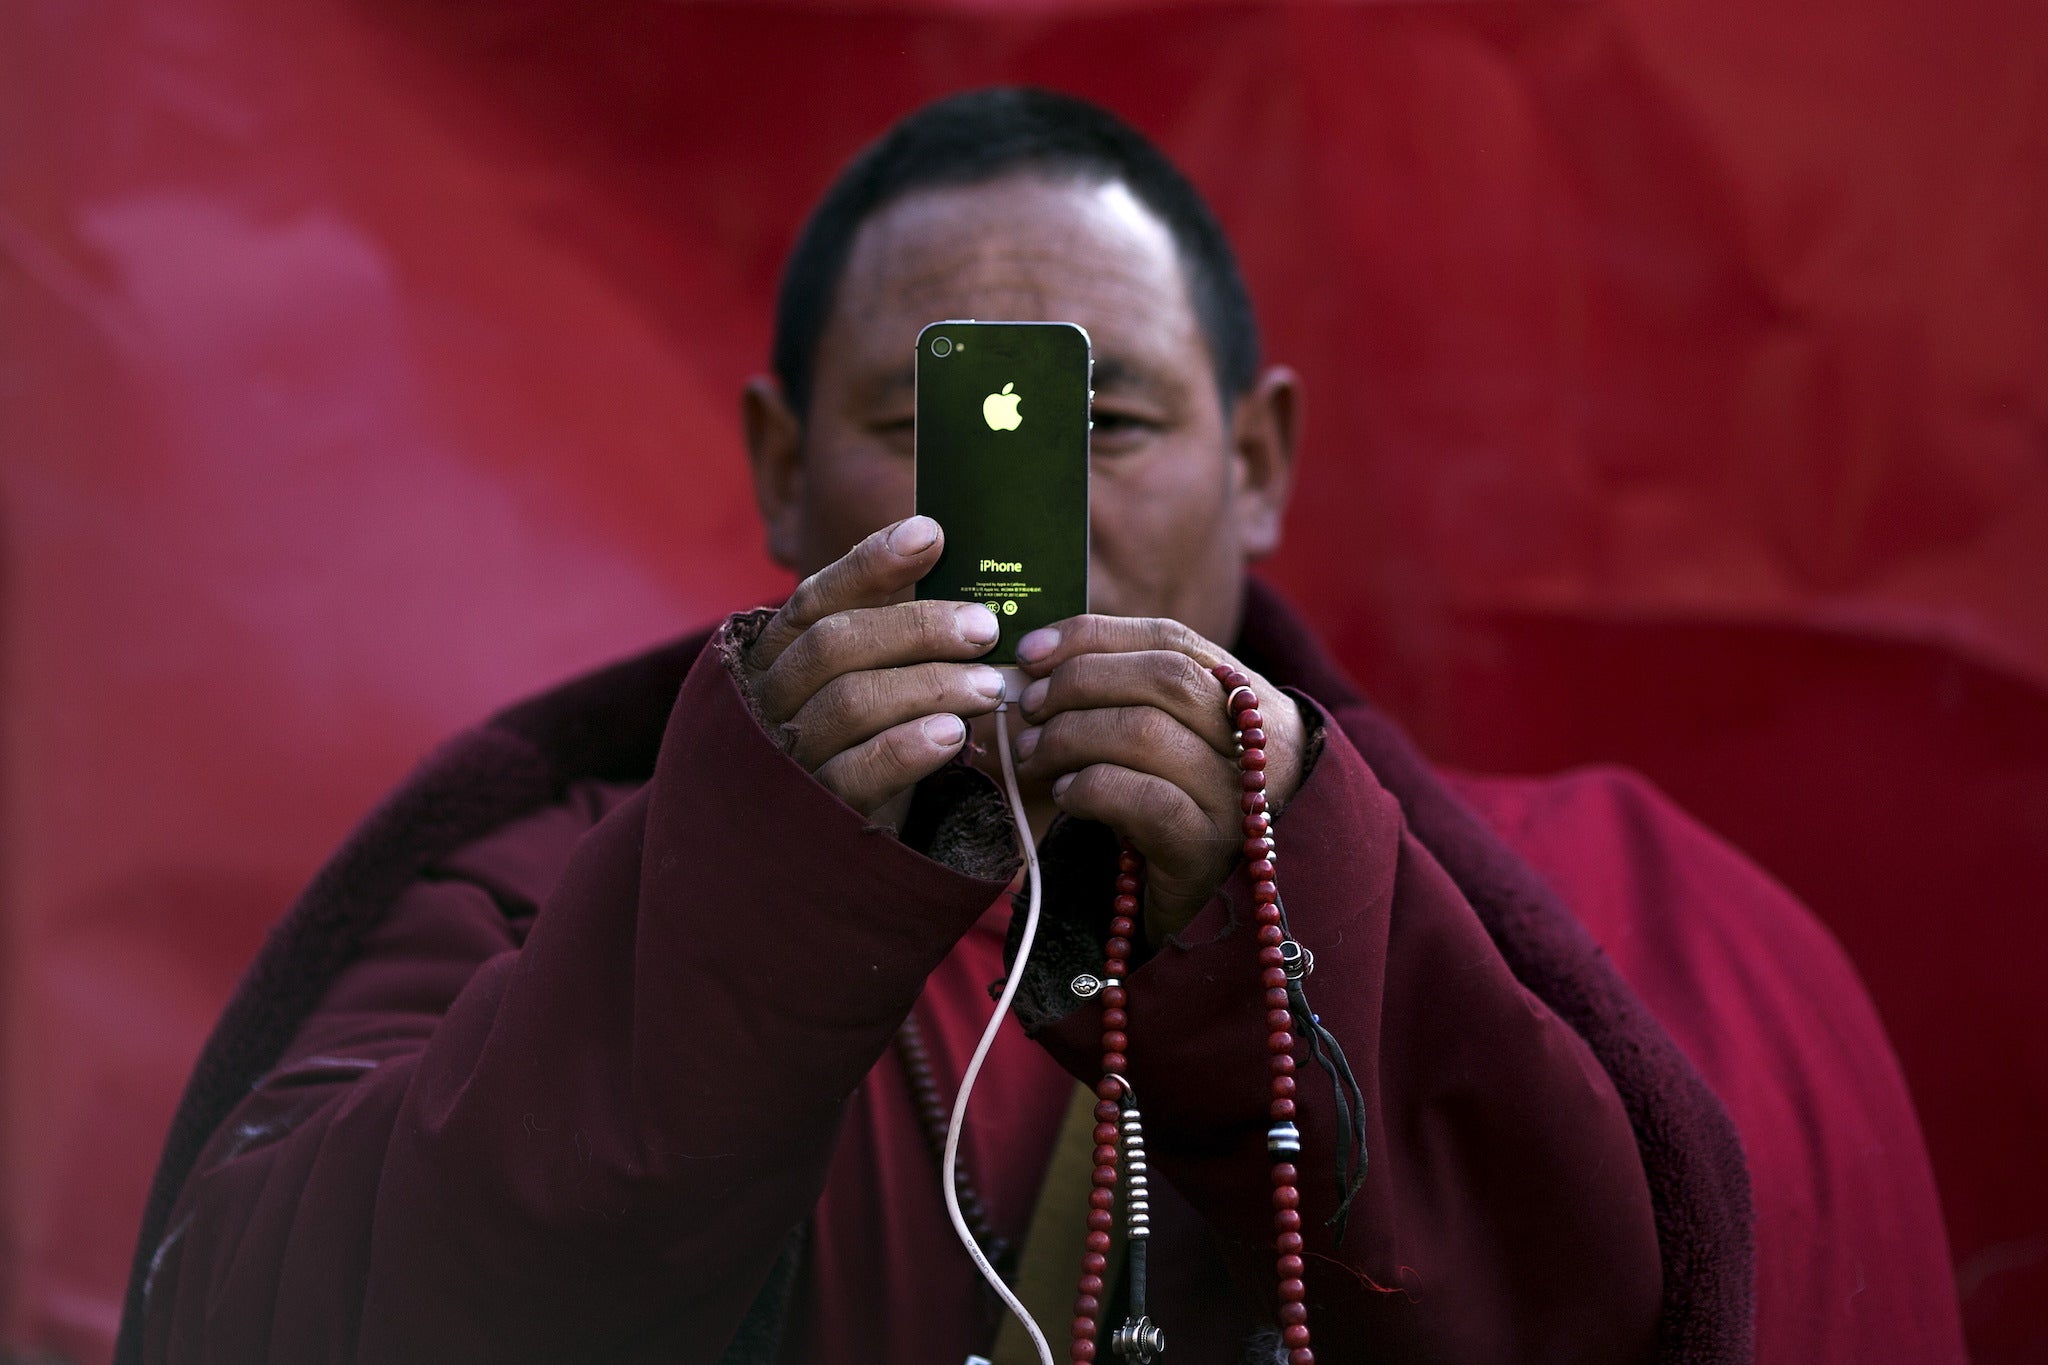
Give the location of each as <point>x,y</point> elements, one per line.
<point>1002,465</point>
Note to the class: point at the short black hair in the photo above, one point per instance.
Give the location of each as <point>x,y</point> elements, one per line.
<point>982,135</point>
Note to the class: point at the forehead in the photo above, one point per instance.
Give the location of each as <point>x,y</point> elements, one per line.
<point>1023,247</point>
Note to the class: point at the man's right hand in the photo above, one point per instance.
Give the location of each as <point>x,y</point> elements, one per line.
<point>867,692</point>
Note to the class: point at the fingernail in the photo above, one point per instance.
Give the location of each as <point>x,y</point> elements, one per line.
<point>1034,695</point>
<point>944,731</point>
<point>1059,788</point>
<point>1027,741</point>
<point>978,623</point>
<point>1038,644</point>
<point>988,682</point>
<point>913,536</point>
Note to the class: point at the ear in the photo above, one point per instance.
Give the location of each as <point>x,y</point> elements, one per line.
<point>775,447</point>
<point>1263,428</point>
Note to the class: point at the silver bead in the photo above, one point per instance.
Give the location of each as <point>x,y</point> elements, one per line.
<point>1138,1341</point>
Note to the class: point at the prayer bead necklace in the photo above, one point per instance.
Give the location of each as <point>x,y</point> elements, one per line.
<point>1282,963</point>
<point>1119,1127</point>
<point>931,1117</point>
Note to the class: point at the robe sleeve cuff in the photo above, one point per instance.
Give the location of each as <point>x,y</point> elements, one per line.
<point>772,904</point>
<point>1197,1008</point>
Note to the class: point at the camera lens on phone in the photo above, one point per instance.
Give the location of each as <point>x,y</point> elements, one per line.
<point>942,346</point>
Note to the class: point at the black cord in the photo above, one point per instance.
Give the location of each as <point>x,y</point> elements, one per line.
<point>1328,1053</point>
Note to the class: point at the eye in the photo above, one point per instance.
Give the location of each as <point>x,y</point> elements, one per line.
<point>898,433</point>
<point>1117,431</point>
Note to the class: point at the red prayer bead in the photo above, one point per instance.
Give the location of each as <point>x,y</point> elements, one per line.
<point>1251,737</point>
<point>1084,1352</point>
<point>1252,780</point>
<point>1094,1263</point>
<point>1292,1313</point>
<point>1286,1197</point>
<point>1252,758</point>
<point>1281,1065</point>
<point>1084,1328</point>
<point>1304,1356</point>
<point>1277,1020</point>
<point>1255,825</point>
<point>1283,1087</point>
<point>1114,1062</point>
<point>1252,803</point>
<point>1276,996</point>
<point>1123,926</point>
<point>1265,891</point>
<point>1290,1267</point>
<point>1114,997</point>
<point>1291,1288</point>
<point>1114,1041</point>
<point>1104,1175</point>
<point>1105,1152</point>
<point>1114,1019</point>
<point>1273,977</point>
<point>1261,847</point>
<point>1086,1305</point>
<point>1284,1173</point>
<point>1287,1220</point>
<point>1294,1336</point>
<point>1281,1109</point>
<point>1250,719</point>
<point>1119,948</point>
<point>1127,904</point>
<point>1106,1110</point>
<point>1270,935</point>
<point>1268,912</point>
<point>1105,1135</point>
<point>1280,1040</point>
<point>1091,1284</point>
<point>1126,884</point>
<point>1260,869</point>
<point>1101,1198</point>
<point>1271,957</point>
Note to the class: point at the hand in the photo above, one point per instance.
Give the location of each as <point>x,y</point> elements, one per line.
<point>866,692</point>
<point>1129,725</point>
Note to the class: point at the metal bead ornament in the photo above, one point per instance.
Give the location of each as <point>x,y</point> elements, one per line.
<point>1118,1128</point>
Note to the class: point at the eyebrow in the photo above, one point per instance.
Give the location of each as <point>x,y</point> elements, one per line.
<point>899,382</point>
<point>1114,372</point>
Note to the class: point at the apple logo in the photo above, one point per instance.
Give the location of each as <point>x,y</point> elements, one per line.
<point>999,410</point>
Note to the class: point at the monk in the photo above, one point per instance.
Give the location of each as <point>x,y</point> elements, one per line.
<point>623,1030</point>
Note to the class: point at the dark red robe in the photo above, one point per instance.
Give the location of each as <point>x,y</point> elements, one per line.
<point>579,1051</point>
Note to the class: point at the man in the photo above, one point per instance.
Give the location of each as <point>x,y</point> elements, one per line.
<point>581,1049</point>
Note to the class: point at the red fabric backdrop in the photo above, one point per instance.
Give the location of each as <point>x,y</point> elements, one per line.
<point>1678,385</point>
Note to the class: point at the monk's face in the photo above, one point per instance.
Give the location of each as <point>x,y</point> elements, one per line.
<point>1182,493</point>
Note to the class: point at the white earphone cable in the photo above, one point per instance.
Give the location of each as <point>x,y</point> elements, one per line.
<point>988,1037</point>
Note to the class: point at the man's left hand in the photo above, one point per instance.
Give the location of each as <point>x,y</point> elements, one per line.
<point>1128,723</point>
